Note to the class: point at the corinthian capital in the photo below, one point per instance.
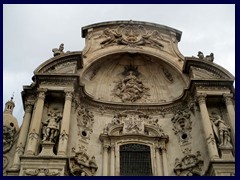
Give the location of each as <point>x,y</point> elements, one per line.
<point>201,98</point>
<point>228,98</point>
<point>41,93</point>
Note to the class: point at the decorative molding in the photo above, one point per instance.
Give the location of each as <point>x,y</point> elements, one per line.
<point>42,172</point>
<point>33,135</point>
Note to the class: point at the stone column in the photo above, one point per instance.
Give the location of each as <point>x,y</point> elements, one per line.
<point>231,113</point>
<point>33,136</point>
<point>21,143</point>
<point>207,127</point>
<point>105,160</point>
<point>112,156</point>
<point>164,159</point>
<point>63,138</point>
<point>159,162</point>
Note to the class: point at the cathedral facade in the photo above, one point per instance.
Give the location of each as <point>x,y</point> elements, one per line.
<point>128,104</point>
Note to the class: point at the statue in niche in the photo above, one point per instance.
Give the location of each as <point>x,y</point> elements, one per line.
<point>130,88</point>
<point>51,127</point>
<point>221,130</point>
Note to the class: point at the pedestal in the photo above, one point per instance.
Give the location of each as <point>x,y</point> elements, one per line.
<point>47,149</point>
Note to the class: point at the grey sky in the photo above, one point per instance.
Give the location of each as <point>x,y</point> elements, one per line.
<point>31,31</point>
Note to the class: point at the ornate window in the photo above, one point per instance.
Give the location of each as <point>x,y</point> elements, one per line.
<point>135,160</point>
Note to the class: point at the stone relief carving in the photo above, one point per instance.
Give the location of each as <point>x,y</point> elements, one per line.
<point>130,88</point>
<point>132,36</point>
<point>182,126</point>
<point>190,165</point>
<point>8,137</point>
<point>82,165</point>
<point>85,120</point>
<point>58,51</point>
<point>168,75</point>
<point>42,172</point>
<point>134,122</point>
<point>51,127</point>
<point>221,130</point>
<point>209,58</point>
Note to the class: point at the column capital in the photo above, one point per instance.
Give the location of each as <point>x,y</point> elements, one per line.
<point>201,98</point>
<point>228,98</point>
<point>41,93</point>
<point>28,106</point>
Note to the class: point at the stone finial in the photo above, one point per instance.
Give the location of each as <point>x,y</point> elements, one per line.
<point>209,58</point>
<point>58,51</point>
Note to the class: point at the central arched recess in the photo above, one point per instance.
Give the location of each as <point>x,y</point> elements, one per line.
<point>161,82</point>
<point>135,160</point>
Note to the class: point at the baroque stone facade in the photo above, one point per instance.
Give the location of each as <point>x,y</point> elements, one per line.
<point>130,104</point>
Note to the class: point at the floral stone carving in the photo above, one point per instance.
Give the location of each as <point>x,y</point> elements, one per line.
<point>132,36</point>
<point>190,165</point>
<point>8,137</point>
<point>130,88</point>
<point>85,120</point>
<point>182,126</point>
<point>42,172</point>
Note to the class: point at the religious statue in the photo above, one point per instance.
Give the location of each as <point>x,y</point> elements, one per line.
<point>51,127</point>
<point>221,130</point>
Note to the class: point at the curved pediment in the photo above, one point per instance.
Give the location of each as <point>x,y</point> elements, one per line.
<point>133,78</point>
<point>202,69</point>
<point>66,63</point>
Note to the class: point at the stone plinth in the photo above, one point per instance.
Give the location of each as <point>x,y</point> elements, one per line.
<point>47,149</point>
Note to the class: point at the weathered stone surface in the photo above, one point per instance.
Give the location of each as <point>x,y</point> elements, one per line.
<point>129,86</point>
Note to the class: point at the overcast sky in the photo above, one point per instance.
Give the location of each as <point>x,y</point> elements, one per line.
<point>31,31</point>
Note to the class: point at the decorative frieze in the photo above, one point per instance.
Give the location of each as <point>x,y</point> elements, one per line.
<point>41,172</point>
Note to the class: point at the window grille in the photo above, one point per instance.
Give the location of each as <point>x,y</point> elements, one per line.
<point>135,160</point>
